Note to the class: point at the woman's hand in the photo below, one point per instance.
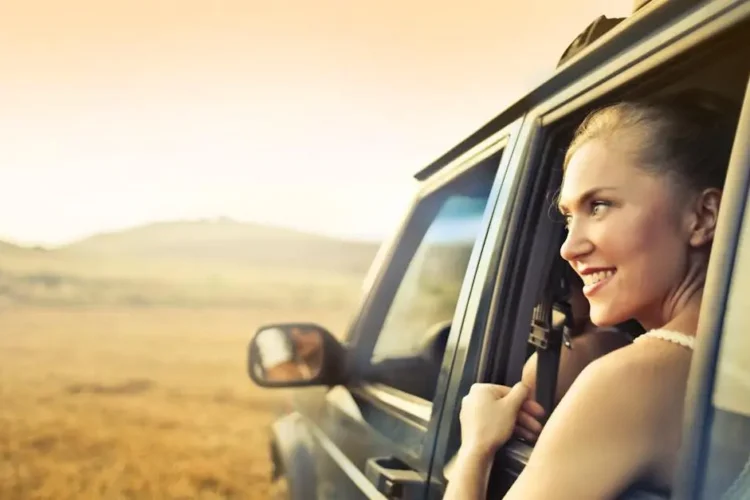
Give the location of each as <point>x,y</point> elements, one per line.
<point>488,417</point>
<point>528,424</point>
<point>489,414</point>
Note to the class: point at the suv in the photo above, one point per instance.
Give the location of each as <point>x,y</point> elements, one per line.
<point>451,299</point>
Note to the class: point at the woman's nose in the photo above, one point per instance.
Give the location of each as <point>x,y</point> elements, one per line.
<point>576,244</point>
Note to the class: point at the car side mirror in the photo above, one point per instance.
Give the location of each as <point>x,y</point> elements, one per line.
<point>295,355</point>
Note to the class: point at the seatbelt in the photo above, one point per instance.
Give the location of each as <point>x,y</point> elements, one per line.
<point>550,329</point>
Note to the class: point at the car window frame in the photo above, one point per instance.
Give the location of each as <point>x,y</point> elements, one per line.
<point>466,339</point>
<point>382,285</point>
<point>735,206</point>
<point>392,407</point>
<point>402,245</point>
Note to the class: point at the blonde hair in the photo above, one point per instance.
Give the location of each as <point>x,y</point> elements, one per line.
<point>688,135</point>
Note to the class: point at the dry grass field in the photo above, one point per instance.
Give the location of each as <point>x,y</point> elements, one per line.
<point>135,402</point>
<point>122,357</point>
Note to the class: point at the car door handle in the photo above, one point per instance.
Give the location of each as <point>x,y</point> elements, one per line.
<point>394,479</point>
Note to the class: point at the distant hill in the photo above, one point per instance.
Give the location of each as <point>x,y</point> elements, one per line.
<point>9,247</point>
<point>230,242</point>
<point>187,263</point>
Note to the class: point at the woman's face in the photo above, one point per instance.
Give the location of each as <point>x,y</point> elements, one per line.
<point>627,235</point>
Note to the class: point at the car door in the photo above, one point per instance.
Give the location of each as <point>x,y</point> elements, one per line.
<point>374,437</point>
<point>715,463</point>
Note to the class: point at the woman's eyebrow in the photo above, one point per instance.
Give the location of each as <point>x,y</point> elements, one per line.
<point>591,193</point>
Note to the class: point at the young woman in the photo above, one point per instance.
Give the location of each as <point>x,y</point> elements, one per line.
<point>640,195</point>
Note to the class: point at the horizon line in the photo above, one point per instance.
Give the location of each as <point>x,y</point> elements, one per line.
<point>40,245</point>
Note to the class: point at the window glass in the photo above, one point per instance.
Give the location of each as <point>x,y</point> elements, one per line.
<point>428,294</point>
<point>415,329</point>
<point>728,463</point>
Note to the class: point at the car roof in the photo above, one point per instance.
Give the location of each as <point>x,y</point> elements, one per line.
<point>653,16</point>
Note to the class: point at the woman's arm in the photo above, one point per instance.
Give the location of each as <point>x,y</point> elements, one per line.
<point>488,416</point>
<point>600,440</point>
<point>469,475</point>
<point>614,428</point>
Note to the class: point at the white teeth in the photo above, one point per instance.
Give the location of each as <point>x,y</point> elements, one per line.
<point>593,278</point>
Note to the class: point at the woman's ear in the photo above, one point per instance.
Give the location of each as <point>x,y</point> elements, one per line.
<point>705,216</point>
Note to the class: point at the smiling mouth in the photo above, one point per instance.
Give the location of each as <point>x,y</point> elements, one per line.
<point>594,278</point>
<point>593,282</point>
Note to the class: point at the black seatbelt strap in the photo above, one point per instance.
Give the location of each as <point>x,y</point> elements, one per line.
<point>549,331</point>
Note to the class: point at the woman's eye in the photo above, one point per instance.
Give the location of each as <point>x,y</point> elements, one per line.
<point>598,207</point>
<point>568,220</point>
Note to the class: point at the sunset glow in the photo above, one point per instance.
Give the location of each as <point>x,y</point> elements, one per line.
<point>311,115</point>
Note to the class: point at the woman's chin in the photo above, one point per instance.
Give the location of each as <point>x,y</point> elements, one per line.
<point>605,319</point>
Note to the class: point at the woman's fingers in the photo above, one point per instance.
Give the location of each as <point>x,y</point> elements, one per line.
<point>525,434</point>
<point>516,396</point>
<point>489,413</point>
<point>533,408</point>
<point>523,414</point>
<point>529,422</point>
<point>499,391</point>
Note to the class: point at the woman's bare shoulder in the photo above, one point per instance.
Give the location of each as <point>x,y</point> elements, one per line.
<point>642,373</point>
<point>619,381</point>
<point>631,398</point>
<point>609,422</point>
<point>653,363</point>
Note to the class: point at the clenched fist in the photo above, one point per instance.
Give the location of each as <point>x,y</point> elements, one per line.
<point>489,415</point>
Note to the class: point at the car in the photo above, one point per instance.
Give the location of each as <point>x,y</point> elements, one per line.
<point>465,290</point>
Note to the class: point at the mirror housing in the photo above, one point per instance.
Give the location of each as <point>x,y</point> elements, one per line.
<point>295,355</point>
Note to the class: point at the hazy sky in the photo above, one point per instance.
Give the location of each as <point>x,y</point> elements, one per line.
<point>308,113</point>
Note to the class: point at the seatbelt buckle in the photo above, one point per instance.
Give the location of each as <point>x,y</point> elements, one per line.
<point>539,336</point>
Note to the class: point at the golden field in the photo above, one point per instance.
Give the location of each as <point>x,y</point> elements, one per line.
<point>122,357</point>
<point>136,402</point>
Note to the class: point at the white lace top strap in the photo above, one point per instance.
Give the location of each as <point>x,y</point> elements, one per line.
<point>670,336</point>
